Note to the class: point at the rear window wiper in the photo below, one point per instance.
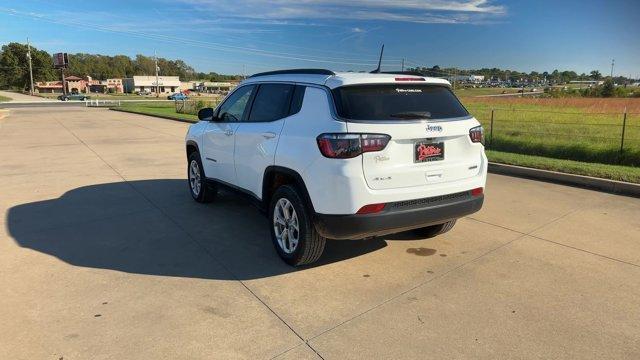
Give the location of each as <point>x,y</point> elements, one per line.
<point>412,115</point>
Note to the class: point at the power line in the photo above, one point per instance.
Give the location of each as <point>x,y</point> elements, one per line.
<point>314,49</point>
<point>197,43</point>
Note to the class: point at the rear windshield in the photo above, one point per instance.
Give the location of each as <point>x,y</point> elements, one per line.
<point>397,102</point>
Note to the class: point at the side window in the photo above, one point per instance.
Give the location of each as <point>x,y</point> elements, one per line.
<point>271,103</point>
<point>234,108</point>
<point>296,101</point>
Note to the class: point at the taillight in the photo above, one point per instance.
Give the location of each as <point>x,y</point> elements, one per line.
<point>345,145</point>
<point>477,191</point>
<point>476,134</point>
<point>371,209</point>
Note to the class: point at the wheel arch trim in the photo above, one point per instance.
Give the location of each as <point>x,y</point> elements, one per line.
<point>298,181</point>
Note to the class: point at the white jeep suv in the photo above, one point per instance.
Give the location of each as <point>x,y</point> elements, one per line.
<point>341,155</point>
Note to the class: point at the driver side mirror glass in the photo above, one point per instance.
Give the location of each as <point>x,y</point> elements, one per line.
<point>206,114</point>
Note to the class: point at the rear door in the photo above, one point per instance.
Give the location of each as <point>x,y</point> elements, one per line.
<point>257,136</point>
<point>429,131</point>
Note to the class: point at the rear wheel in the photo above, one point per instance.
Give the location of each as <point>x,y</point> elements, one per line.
<point>198,187</point>
<point>292,232</point>
<point>435,230</point>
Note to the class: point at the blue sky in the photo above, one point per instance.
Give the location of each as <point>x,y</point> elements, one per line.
<point>228,36</point>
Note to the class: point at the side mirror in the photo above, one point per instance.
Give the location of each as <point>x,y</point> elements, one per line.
<point>206,114</point>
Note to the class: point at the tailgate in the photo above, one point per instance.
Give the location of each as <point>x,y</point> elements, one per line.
<point>420,153</point>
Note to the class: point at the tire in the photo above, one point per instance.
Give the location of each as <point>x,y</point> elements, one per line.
<point>435,230</point>
<point>310,244</point>
<point>198,188</point>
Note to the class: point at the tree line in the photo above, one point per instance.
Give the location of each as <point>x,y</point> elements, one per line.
<point>14,67</point>
<point>555,76</point>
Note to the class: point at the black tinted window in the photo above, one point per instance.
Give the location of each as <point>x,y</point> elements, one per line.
<point>296,101</point>
<point>235,106</point>
<point>397,102</point>
<point>272,102</point>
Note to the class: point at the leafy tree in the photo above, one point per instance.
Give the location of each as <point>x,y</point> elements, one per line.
<point>14,66</point>
<point>607,89</point>
<point>595,75</point>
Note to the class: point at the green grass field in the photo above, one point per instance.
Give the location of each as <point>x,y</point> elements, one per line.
<point>552,137</point>
<point>605,171</point>
<point>562,133</point>
<point>161,109</point>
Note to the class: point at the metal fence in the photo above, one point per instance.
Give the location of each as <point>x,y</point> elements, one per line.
<point>604,137</point>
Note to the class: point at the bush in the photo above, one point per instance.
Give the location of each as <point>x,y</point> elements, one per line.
<point>607,89</point>
<point>192,106</point>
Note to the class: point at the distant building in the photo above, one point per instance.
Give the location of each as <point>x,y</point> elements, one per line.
<point>188,86</point>
<point>216,86</point>
<point>76,84</point>
<point>208,86</point>
<point>476,79</point>
<point>106,86</point>
<point>48,87</point>
<point>165,84</point>
<point>587,82</point>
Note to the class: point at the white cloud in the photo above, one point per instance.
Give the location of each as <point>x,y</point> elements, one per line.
<point>415,11</point>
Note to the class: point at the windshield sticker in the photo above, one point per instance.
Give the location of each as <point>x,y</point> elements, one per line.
<point>408,90</point>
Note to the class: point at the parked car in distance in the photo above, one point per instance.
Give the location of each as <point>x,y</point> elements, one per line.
<point>177,96</point>
<point>67,97</point>
<point>341,156</point>
<point>143,92</point>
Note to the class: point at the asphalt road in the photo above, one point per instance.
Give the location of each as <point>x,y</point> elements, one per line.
<point>103,255</point>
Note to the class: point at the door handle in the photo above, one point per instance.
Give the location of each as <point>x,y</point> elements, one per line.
<point>228,132</point>
<point>268,135</point>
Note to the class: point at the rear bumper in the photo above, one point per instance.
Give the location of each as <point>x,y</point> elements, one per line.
<point>399,216</point>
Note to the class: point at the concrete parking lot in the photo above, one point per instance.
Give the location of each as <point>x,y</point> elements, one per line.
<point>103,255</point>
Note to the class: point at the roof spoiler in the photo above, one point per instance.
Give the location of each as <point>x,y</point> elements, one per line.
<point>295,72</point>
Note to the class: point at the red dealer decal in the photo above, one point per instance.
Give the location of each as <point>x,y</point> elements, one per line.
<point>425,151</point>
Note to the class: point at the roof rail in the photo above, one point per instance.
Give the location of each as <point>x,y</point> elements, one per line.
<point>415,73</point>
<point>295,71</point>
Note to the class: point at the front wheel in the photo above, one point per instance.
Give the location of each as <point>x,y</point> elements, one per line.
<point>292,232</point>
<point>435,230</point>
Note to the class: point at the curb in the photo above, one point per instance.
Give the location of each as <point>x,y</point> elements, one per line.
<point>168,117</point>
<point>610,186</point>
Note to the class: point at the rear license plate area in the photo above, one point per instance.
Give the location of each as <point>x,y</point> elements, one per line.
<point>428,151</point>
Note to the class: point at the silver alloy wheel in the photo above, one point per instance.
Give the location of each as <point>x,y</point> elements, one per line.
<point>286,226</point>
<point>194,178</point>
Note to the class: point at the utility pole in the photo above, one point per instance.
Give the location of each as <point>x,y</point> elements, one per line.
<point>402,64</point>
<point>30,67</point>
<point>613,62</point>
<point>157,80</point>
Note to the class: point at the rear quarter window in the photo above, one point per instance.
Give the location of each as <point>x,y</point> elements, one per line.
<point>397,102</point>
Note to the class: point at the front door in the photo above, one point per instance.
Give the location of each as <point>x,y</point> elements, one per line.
<point>219,136</point>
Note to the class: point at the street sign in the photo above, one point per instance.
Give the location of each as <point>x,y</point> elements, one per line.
<point>60,60</point>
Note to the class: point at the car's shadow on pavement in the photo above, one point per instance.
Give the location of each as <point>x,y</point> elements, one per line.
<point>153,227</point>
